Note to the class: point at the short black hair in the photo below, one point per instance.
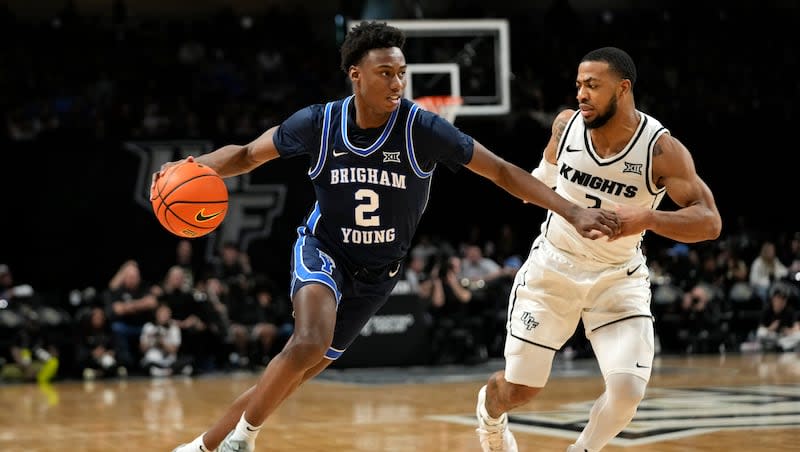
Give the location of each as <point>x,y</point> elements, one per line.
<point>618,61</point>
<point>367,36</point>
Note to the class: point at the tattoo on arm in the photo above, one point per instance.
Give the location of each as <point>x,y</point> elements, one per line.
<point>657,150</point>
<point>558,129</point>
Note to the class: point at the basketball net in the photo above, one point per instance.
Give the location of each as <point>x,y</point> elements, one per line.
<point>445,106</point>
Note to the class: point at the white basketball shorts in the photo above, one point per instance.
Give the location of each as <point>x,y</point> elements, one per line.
<point>553,291</point>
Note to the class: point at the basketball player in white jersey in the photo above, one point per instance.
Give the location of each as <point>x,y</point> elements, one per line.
<point>606,155</point>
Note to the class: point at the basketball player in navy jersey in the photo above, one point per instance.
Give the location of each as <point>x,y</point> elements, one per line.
<point>372,156</point>
<point>608,155</point>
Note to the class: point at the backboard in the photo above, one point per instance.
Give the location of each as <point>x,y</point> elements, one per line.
<point>468,58</point>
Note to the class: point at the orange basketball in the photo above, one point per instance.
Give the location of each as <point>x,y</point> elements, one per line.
<point>190,199</point>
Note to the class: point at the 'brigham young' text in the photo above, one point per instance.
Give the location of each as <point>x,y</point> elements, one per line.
<point>368,176</point>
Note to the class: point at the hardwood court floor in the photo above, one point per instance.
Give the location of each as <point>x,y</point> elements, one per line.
<point>701,403</point>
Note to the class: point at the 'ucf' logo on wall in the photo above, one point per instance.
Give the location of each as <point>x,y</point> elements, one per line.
<point>252,208</point>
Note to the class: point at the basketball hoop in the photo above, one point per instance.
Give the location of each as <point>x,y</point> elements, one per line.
<point>445,106</point>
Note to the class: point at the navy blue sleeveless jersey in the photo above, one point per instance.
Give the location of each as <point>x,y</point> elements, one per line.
<point>371,185</point>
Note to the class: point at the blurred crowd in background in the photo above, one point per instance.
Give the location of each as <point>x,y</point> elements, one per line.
<point>230,76</point>
<point>735,294</point>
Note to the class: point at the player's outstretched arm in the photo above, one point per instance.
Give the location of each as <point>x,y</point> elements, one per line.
<point>697,219</point>
<point>232,159</point>
<point>590,223</point>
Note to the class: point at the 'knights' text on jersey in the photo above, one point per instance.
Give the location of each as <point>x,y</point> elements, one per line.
<point>589,180</point>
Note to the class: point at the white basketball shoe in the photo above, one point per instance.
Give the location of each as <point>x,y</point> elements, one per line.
<point>230,445</point>
<point>494,438</point>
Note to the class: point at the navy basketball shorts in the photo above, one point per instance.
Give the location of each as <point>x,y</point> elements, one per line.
<point>356,300</point>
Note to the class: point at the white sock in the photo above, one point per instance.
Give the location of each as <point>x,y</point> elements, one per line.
<point>574,448</point>
<point>246,432</point>
<point>485,414</point>
<point>196,445</point>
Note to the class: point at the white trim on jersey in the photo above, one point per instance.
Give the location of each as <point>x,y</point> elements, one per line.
<point>387,130</point>
<point>412,157</point>
<point>323,142</point>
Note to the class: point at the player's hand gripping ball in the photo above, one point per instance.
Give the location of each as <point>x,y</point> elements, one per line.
<point>190,199</point>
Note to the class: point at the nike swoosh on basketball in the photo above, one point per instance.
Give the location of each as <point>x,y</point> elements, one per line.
<point>201,215</point>
<point>569,149</point>
<point>641,366</point>
<point>394,272</point>
<point>630,272</point>
<point>339,154</point>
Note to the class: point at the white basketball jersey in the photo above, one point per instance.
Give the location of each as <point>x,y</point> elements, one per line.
<point>589,180</point>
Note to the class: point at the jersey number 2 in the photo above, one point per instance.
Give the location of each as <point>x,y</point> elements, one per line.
<point>364,211</point>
